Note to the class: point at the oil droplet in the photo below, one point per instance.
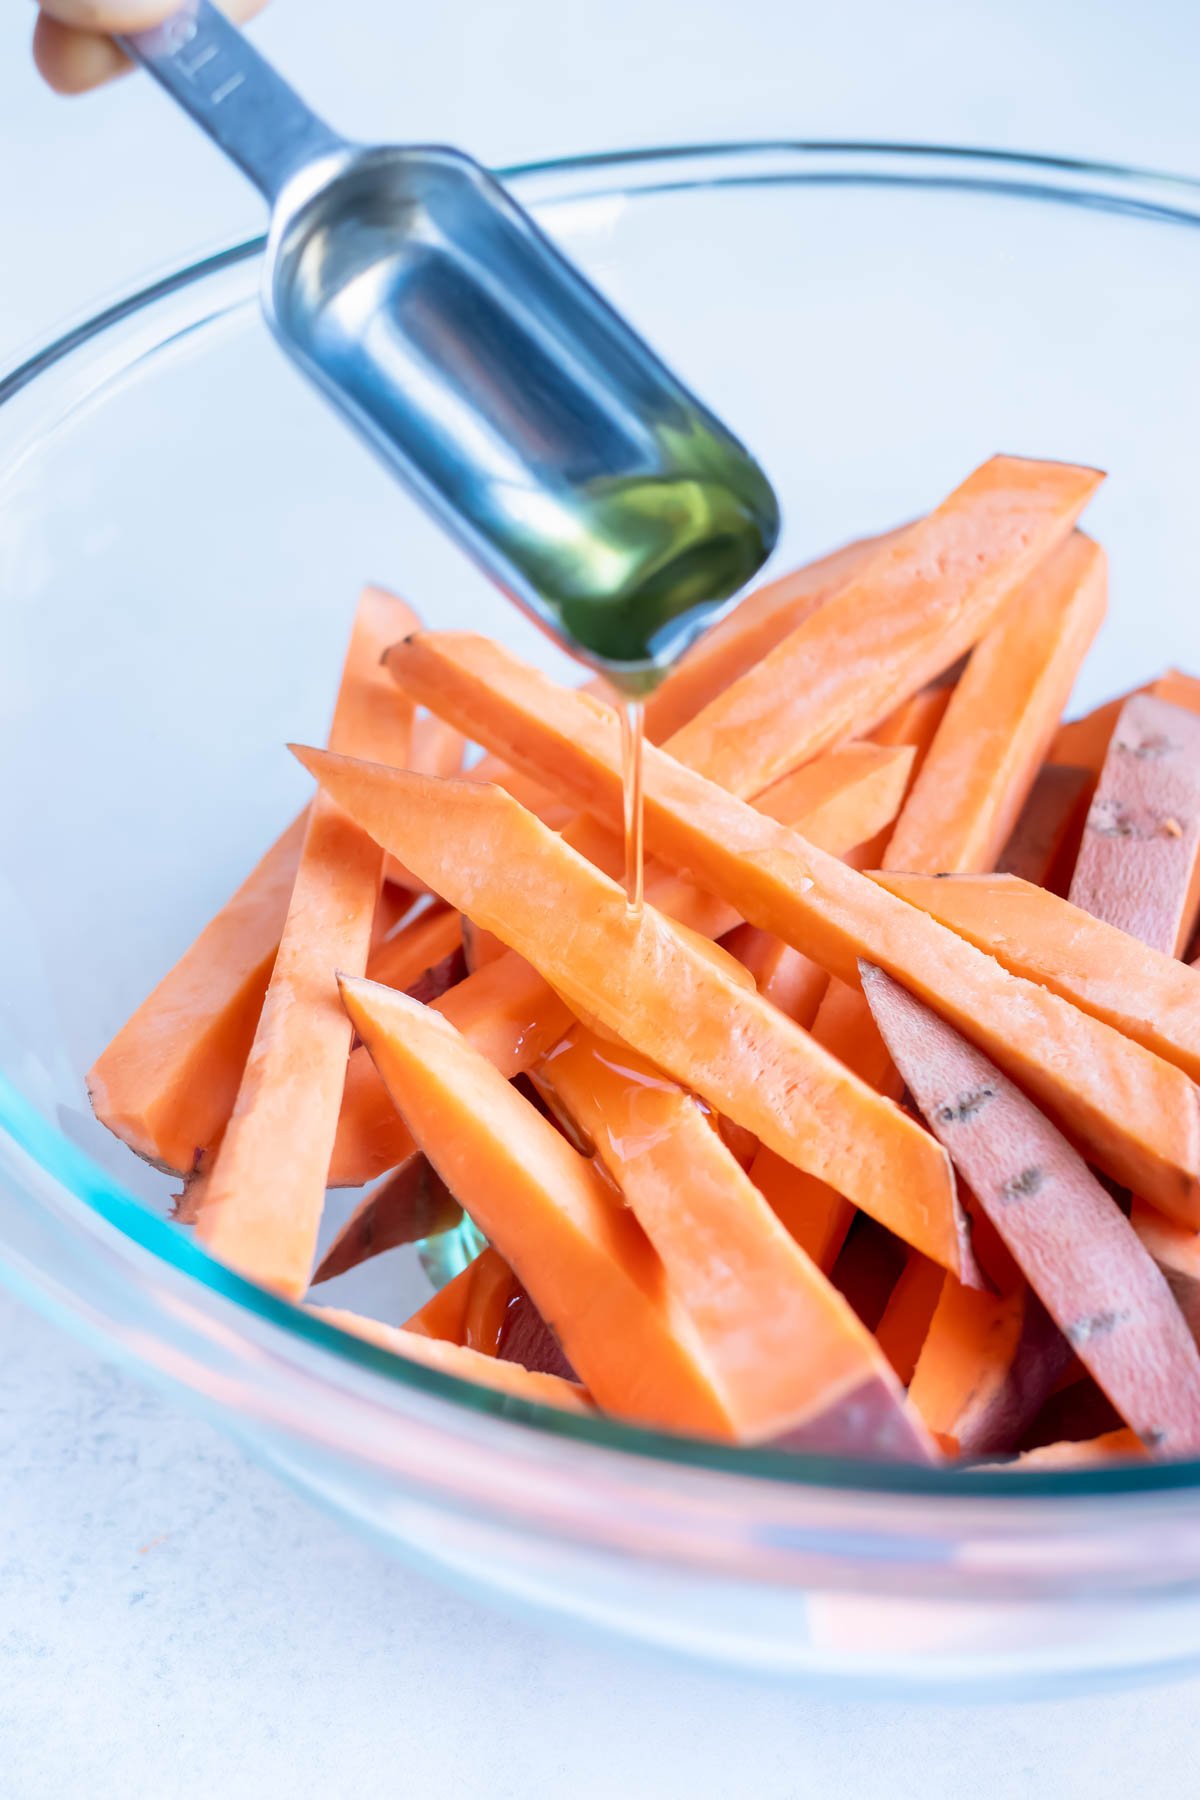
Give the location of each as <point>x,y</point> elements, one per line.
<point>632,737</point>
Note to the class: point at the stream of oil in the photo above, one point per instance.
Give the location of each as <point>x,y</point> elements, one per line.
<point>633,735</point>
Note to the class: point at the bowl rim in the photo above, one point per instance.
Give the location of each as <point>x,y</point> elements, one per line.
<point>627,173</point>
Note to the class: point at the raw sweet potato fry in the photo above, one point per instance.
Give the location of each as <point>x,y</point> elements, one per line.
<point>504,1009</point>
<point>814,1213</point>
<point>910,612</point>
<point>985,1366</point>
<point>508,1378</point>
<point>1146,995</point>
<point>790,981</point>
<point>167,1082</point>
<point>906,1317</point>
<point>1176,1250</point>
<point>509,1013</point>
<point>486,1308</point>
<point>1123,1445</point>
<point>1075,1247</point>
<point>973,777</point>
<point>751,1294</point>
<point>641,979</point>
<point>1045,839</point>
<point>418,946</point>
<point>584,1260</point>
<point>1084,742</point>
<point>1139,862</point>
<point>990,745</point>
<point>444,1314</point>
<point>1138,1116</point>
<point>739,642</point>
<point>262,1200</point>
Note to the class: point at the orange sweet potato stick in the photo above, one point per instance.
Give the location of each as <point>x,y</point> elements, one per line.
<point>1111,1446</point>
<point>1077,1250</point>
<point>261,1205</point>
<point>504,1009</point>
<point>1084,742</point>
<point>905,1322</point>
<point>790,981</point>
<point>751,1294</point>
<point>910,612</point>
<point>583,1259</point>
<point>436,749</point>
<point>167,1082</point>
<point>1176,1250</point>
<point>413,1203</point>
<point>1139,862</point>
<point>973,777</point>
<point>444,1314</point>
<point>643,980</point>
<point>509,1013</point>
<point>511,1327</point>
<point>1146,995</point>
<point>990,745</point>
<point>1138,1116</point>
<point>507,1378</point>
<point>1045,839</point>
<point>417,947</point>
<point>986,1365</point>
<point>751,631</point>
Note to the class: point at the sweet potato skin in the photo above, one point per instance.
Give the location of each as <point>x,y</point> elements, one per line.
<point>1139,862</point>
<point>1076,1248</point>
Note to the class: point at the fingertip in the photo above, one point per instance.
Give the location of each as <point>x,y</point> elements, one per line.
<point>72,62</point>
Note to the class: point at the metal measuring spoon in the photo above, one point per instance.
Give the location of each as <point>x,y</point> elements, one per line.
<point>483,367</point>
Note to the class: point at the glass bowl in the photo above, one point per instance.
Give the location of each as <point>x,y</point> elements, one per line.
<point>184,532</point>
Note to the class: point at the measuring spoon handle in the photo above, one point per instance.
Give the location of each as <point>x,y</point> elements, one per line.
<point>204,62</point>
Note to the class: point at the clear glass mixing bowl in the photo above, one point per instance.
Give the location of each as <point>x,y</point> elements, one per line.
<point>183,529</point>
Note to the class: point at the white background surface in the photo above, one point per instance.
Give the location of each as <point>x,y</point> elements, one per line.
<point>173,1622</point>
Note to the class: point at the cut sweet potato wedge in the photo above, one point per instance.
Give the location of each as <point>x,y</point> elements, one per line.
<point>1146,995</point>
<point>986,1365</point>
<point>507,1378</point>
<point>910,612</point>
<point>974,776</point>
<point>509,1013</point>
<point>261,1205</point>
<point>990,745</point>
<point>504,1009</point>
<point>642,980</point>
<point>1176,1250</point>
<point>444,1314</point>
<point>1138,1116</point>
<point>750,1292</point>
<point>1075,1247</point>
<point>584,1260</point>
<point>790,981</point>
<point>1139,862</point>
<point>1045,838</point>
<point>1085,742</point>
<point>906,1318</point>
<point>739,642</point>
<point>1122,1445</point>
<point>416,948</point>
<point>413,1203</point>
<point>167,1082</point>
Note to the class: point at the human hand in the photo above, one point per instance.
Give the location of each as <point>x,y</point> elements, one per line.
<point>72,46</point>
